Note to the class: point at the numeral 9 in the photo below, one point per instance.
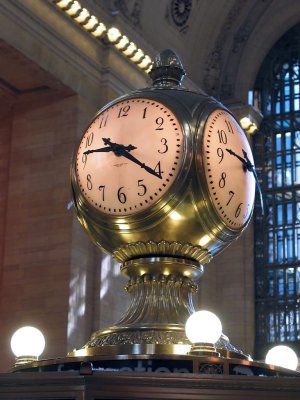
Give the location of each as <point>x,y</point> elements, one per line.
<point>84,159</point>
<point>220,154</point>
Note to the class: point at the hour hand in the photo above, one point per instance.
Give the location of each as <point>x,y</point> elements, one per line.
<point>246,162</point>
<point>114,147</point>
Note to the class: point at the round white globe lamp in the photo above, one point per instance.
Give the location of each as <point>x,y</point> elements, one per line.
<point>203,329</point>
<point>282,356</point>
<point>27,344</point>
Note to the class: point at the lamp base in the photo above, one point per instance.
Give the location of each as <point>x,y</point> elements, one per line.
<point>204,349</point>
<point>25,360</point>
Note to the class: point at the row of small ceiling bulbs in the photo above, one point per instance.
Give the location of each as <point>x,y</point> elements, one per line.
<point>99,30</point>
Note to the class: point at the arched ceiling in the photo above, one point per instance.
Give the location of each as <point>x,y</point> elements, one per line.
<point>221,43</point>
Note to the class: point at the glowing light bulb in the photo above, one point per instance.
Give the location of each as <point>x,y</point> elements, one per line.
<point>138,55</point>
<point>75,7</point>
<point>101,28</point>
<point>130,50</point>
<point>27,344</point>
<point>113,34</point>
<point>91,23</point>
<point>145,62</point>
<point>84,14</point>
<point>282,356</point>
<point>203,327</point>
<point>122,43</point>
<point>63,3</point>
<point>252,129</point>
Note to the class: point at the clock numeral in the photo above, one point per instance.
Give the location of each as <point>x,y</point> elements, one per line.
<point>159,122</point>
<point>144,112</point>
<point>220,154</point>
<point>164,142</point>
<point>142,186</point>
<point>238,210</point>
<point>122,196</point>
<point>222,181</point>
<point>89,139</point>
<point>103,121</point>
<point>84,159</point>
<point>231,194</point>
<point>89,184</point>
<point>222,136</point>
<point>158,170</point>
<point>229,126</point>
<point>102,189</point>
<point>123,112</point>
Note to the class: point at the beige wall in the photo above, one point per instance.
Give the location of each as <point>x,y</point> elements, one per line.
<point>38,227</point>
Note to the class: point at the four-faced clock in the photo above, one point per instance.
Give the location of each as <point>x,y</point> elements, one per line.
<point>129,156</point>
<point>164,171</point>
<point>229,170</point>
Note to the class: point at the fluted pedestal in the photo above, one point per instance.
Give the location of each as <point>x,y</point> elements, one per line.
<point>161,291</point>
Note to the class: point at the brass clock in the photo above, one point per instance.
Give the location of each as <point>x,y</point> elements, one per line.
<point>164,170</point>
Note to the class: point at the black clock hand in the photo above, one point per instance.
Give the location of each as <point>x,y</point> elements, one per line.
<point>256,180</point>
<point>114,148</point>
<point>249,167</point>
<point>102,150</point>
<point>121,150</point>
<point>244,161</point>
<point>130,157</point>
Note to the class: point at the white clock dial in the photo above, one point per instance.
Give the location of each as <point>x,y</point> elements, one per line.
<point>129,156</point>
<point>229,170</point>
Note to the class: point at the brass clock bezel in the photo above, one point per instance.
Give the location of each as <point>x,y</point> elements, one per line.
<point>168,200</point>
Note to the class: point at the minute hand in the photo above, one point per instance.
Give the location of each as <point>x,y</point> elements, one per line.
<point>109,148</point>
<point>256,180</point>
<point>130,157</point>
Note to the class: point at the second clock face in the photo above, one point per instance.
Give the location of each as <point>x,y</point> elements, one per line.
<point>226,154</point>
<point>129,156</point>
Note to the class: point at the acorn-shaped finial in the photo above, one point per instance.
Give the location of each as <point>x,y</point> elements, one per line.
<point>167,70</point>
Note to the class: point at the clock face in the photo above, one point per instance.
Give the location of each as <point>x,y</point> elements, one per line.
<point>129,156</point>
<point>226,155</point>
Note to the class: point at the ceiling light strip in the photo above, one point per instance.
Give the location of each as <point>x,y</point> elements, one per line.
<point>108,34</point>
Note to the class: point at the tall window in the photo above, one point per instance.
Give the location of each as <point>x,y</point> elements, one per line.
<point>277,232</point>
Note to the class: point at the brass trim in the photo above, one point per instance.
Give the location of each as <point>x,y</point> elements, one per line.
<point>133,349</point>
<point>165,266</point>
<point>163,248</point>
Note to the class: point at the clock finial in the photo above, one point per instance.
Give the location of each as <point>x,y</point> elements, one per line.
<point>167,70</point>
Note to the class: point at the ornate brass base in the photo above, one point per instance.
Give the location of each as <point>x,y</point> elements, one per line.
<point>161,291</point>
